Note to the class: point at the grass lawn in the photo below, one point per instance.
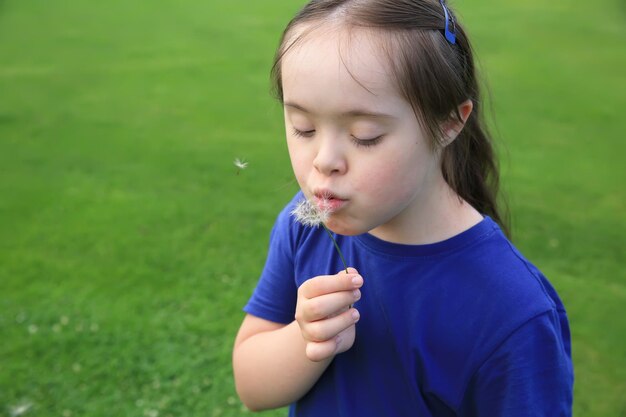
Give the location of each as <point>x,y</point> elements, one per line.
<point>128,243</point>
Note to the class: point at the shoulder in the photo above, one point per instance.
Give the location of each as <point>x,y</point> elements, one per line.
<point>274,297</point>
<point>490,291</point>
<point>490,288</point>
<point>496,273</point>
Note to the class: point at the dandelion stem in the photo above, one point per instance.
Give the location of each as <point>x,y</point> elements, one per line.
<point>345,265</point>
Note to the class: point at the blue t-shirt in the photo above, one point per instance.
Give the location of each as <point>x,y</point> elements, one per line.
<point>462,327</point>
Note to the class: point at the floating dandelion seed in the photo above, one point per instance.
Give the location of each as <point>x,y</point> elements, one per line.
<point>240,164</point>
<point>310,214</point>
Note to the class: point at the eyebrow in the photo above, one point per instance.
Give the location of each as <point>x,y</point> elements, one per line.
<point>354,113</point>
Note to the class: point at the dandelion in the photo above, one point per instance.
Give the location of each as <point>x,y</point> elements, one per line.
<point>240,164</point>
<point>310,214</point>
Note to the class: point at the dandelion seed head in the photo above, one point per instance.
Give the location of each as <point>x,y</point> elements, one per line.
<point>310,214</point>
<point>240,163</point>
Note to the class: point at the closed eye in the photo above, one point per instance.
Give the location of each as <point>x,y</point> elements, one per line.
<point>366,143</point>
<point>303,133</point>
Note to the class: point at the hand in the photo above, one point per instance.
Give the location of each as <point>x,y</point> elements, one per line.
<point>325,315</point>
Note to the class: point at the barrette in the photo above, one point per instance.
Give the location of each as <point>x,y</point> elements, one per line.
<point>449,34</point>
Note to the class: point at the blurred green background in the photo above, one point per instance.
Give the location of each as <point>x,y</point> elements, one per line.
<point>129,244</point>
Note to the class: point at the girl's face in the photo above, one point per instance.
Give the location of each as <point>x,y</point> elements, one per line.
<point>353,140</point>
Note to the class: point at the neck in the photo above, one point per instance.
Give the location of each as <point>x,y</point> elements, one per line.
<point>438,216</point>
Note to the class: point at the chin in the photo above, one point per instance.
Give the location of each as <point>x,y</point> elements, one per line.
<point>344,229</point>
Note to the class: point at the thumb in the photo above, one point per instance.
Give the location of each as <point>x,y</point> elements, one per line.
<point>350,271</point>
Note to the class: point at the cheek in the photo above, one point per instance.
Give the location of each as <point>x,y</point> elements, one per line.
<point>298,159</point>
<point>391,181</point>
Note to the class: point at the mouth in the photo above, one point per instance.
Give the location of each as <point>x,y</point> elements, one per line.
<point>326,200</point>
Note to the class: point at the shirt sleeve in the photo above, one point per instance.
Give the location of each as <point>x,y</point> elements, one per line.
<point>529,374</point>
<point>275,296</point>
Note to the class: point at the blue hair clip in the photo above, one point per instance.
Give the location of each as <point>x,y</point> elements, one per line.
<point>450,36</point>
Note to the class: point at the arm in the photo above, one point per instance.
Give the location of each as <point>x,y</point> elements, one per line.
<point>276,364</point>
<point>270,365</point>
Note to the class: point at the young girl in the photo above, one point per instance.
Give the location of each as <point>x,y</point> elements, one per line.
<point>438,315</point>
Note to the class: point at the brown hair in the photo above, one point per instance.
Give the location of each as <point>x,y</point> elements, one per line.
<point>433,75</point>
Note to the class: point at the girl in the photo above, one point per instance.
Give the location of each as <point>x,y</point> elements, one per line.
<point>440,315</point>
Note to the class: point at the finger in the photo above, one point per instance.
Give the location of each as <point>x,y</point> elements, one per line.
<point>326,305</point>
<point>322,330</point>
<point>318,351</point>
<point>326,284</point>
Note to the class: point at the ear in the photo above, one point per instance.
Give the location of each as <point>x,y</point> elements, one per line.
<point>452,127</point>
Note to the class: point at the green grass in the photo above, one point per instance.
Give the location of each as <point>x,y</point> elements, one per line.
<point>128,245</point>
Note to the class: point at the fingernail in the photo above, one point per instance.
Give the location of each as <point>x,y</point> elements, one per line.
<point>356,294</point>
<point>355,315</point>
<point>357,280</point>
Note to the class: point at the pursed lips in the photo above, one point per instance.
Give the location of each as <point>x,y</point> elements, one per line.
<point>325,199</point>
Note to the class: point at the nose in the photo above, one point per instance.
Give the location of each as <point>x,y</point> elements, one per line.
<point>330,158</point>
